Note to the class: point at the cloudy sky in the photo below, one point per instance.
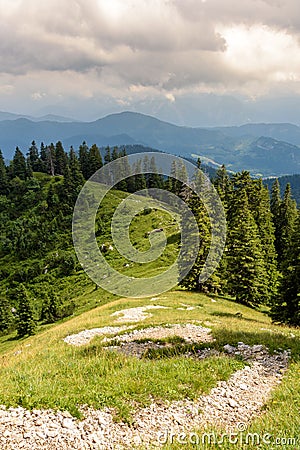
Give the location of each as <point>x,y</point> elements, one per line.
<point>87,58</point>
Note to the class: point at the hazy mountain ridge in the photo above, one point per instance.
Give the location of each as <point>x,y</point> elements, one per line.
<point>280,131</point>
<point>263,149</point>
<point>52,117</point>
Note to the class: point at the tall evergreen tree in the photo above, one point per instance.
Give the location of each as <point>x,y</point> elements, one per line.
<point>84,160</point>
<point>286,223</point>
<point>223,186</point>
<point>43,158</point>
<point>155,180</point>
<point>60,160</point>
<point>275,198</point>
<point>246,271</point>
<point>3,176</point>
<point>95,160</point>
<point>50,157</point>
<point>29,172</point>
<point>51,307</point>
<point>34,158</point>
<point>26,322</point>
<point>139,178</point>
<point>6,317</point>
<point>171,181</point>
<point>115,154</point>
<point>73,180</point>
<point>286,307</point>
<point>52,198</point>
<point>275,210</point>
<point>191,281</point>
<point>107,156</point>
<point>19,168</point>
<point>263,218</point>
<point>123,169</point>
<point>146,169</point>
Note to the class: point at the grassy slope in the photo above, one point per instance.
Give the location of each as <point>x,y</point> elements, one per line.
<point>77,287</point>
<point>43,371</point>
<point>49,373</point>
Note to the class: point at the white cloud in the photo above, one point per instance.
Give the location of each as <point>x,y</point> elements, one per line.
<point>262,53</point>
<point>169,96</point>
<point>6,89</point>
<point>38,95</point>
<point>130,49</point>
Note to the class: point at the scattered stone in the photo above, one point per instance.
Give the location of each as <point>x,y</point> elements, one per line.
<point>27,435</point>
<point>68,423</point>
<point>229,348</point>
<point>129,345</point>
<point>231,402</point>
<point>85,336</point>
<point>51,433</point>
<point>136,314</point>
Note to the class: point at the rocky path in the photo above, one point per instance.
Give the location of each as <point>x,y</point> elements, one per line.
<point>229,405</point>
<point>85,336</point>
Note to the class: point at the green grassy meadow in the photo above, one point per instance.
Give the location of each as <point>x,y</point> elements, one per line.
<point>44,372</point>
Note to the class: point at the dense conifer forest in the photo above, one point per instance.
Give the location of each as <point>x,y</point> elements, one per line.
<point>38,191</point>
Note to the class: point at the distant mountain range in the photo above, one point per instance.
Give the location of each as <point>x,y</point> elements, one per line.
<point>263,149</point>
<point>52,117</point>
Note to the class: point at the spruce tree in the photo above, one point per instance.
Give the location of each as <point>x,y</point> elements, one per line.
<point>34,158</point>
<point>286,307</point>
<point>263,218</point>
<point>6,317</point>
<point>50,159</point>
<point>26,322</point>
<point>191,281</point>
<point>246,270</point>
<point>3,176</point>
<point>275,199</point>
<point>123,169</point>
<point>275,210</point>
<point>51,307</point>
<point>115,154</point>
<point>286,223</point>
<point>19,168</point>
<point>223,186</point>
<point>84,160</point>
<point>139,178</point>
<point>107,156</point>
<point>43,158</point>
<point>52,198</point>
<point>154,179</point>
<point>172,184</point>
<point>95,160</point>
<point>73,180</point>
<point>60,159</point>
<point>29,172</point>
<point>243,181</point>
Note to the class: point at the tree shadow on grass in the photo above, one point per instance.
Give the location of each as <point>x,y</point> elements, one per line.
<point>233,316</point>
<point>174,238</point>
<point>14,338</point>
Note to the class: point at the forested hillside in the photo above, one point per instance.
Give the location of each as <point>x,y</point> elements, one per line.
<point>42,282</point>
<point>292,180</point>
<point>263,150</point>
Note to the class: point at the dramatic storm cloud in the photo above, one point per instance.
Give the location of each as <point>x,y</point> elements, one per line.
<point>120,52</point>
